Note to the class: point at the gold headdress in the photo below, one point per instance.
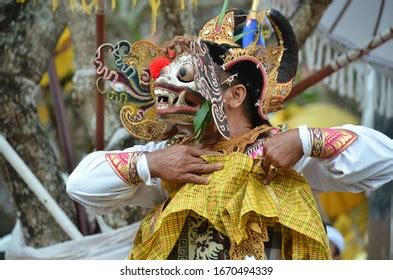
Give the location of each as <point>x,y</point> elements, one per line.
<point>268,71</point>
<point>277,65</point>
<point>223,34</point>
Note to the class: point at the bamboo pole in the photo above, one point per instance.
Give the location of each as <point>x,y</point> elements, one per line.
<point>60,115</point>
<point>100,106</point>
<point>38,189</point>
<point>65,138</point>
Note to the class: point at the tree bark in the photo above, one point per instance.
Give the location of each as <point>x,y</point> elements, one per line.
<point>28,34</point>
<point>177,21</point>
<point>306,18</point>
<point>7,211</point>
<point>83,32</point>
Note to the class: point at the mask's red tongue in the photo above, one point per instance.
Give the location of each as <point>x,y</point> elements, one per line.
<point>156,66</point>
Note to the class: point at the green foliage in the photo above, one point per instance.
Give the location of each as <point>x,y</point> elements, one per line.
<point>202,118</point>
<point>222,13</point>
<point>306,97</point>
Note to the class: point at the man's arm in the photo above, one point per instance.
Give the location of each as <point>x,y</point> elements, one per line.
<point>366,164</point>
<point>181,164</point>
<point>97,183</point>
<point>348,158</point>
<point>105,180</point>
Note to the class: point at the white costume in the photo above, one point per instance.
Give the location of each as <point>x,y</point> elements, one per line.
<point>365,165</point>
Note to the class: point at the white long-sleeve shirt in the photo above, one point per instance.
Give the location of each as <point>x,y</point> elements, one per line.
<point>365,165</point>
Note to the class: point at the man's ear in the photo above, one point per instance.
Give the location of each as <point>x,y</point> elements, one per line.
<point>237,95</point>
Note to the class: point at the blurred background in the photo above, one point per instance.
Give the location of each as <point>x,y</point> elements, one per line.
<point>51,116</point>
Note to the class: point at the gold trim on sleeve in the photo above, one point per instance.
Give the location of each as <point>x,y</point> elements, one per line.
<point>330,142</point>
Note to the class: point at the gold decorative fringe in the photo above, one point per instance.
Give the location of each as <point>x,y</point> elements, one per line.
<point>88,5</point>
<point>154,4</point>
<point>182,5</point>
<point>72,3</point>
<point>55,4</point>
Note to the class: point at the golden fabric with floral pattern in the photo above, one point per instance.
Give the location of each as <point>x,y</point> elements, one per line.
<point>330,142</point>
<point>124,164</point>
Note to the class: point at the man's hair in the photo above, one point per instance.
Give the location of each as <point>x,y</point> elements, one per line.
<point>247,74</point>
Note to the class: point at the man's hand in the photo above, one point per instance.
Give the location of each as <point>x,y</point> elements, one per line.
<point>281,151</point>
<point>181,164</point>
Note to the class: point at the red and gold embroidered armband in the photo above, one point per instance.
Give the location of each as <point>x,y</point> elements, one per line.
<point>330,142</point>
<point>124,164</point>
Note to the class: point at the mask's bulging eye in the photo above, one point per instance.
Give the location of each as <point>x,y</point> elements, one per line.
<point>186,73</point>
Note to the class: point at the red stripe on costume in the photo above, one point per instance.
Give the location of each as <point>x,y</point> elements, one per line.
<point>119,163</point>
<point>330,142</point>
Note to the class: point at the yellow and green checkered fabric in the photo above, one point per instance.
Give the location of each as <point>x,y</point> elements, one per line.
<point>234,197</point>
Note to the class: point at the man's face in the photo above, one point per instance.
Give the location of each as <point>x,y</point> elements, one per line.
<point>176,93</point>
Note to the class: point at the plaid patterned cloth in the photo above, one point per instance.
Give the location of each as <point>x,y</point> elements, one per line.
<point>233,200</point>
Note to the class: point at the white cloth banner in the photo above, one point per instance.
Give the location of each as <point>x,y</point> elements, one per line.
<point>111,245</point>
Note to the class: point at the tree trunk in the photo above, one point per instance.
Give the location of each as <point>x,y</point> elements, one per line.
<point>28,34</point>
<point>177,21</point>
<point>83,32</point>
<point>306,18</point>
<point>7,211</point>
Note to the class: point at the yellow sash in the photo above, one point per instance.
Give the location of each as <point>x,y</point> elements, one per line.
<point>235,199</point>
